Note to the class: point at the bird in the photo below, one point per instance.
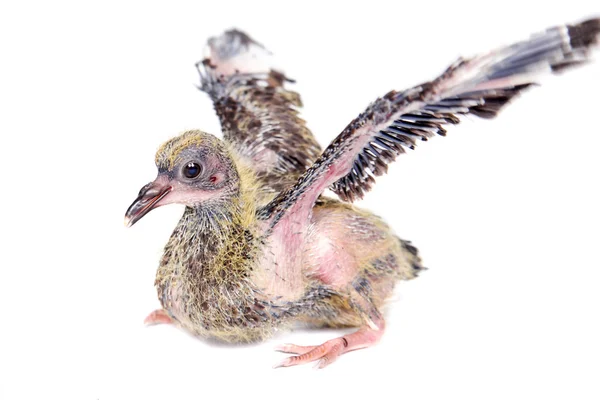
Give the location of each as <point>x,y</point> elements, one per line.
<point>260,247</point>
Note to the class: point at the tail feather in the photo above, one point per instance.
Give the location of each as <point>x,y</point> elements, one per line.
<point>413,257</point>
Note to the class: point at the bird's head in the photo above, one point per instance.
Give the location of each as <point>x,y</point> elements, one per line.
<point>195,169</point>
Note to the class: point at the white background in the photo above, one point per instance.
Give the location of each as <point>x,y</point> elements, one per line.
<point>505,212</point>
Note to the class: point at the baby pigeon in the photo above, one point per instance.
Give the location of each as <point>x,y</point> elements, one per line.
<point>259,247</point>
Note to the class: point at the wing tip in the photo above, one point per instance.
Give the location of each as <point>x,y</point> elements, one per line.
<point>232,43</point>
<point>236,52</point>
<point>584,34</point>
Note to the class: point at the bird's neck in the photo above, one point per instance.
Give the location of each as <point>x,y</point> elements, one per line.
<point>213,242</point>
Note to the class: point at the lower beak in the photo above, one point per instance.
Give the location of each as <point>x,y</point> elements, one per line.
<point>147,200</point>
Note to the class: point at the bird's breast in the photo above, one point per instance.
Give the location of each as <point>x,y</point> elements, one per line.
<point>205,306</point>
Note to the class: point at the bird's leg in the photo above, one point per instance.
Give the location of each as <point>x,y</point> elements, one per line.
<point>159,316</point>
<point>329,351</point>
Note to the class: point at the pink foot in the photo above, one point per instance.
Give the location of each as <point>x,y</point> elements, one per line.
<point>329,351</point>
<point>158,317</point>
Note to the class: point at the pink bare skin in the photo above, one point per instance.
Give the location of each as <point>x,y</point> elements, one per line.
<point>337,256</point>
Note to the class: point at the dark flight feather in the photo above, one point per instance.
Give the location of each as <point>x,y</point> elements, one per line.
<point>480,86</point>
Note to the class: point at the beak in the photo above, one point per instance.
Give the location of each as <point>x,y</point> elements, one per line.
<point>147,200</point>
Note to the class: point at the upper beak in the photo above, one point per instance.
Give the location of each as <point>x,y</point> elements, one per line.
<point>147,200</point>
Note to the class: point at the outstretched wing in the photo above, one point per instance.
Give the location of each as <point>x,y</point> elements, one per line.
<point>258,115</point>
<point>480,86</point>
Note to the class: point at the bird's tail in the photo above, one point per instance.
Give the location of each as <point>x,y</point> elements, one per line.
<point>412,255</point>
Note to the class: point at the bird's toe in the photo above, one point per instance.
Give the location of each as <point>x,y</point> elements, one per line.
<point>158,317</point>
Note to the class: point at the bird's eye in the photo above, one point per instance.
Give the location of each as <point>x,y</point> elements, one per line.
<point>191,170</point>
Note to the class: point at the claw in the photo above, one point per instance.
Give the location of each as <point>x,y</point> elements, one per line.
<point>280,364</point>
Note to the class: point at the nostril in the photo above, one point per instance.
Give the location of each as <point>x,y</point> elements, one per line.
<point>144,189</point>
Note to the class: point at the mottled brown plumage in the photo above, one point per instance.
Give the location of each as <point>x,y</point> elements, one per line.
<point>258,115</point>
<point>258,246</point>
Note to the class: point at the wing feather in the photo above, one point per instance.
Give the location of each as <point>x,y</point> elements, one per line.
<point>480,86</point>
<point>258,115</point>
